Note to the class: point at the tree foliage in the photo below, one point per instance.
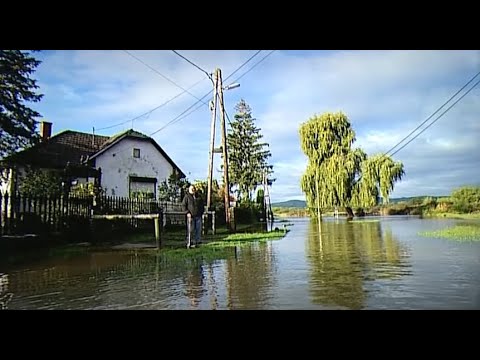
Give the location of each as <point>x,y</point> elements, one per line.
<point>172,188</point>
<point>345,177</point>
<point>17,88</point>
<point>466,199</point>
<point>247,155</point>
<point>37,182</point>
<point>85,189</point>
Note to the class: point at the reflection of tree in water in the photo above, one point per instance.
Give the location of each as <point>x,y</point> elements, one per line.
<point>345,255</point>
<point>250,276</point>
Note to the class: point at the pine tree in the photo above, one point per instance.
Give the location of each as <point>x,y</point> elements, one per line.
<point>17,120</point>
<point>247,156</point>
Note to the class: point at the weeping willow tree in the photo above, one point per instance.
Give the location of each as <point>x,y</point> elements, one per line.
<point>338,175</point>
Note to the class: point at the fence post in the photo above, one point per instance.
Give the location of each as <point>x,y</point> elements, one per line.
<point>90,217</point>
<point>213,222</point>
<point>204,223</point>
<point>157,231</point>
<point>7,210</point>
<point>1,214</point>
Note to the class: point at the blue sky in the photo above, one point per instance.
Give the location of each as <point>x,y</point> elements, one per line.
<point>385,94</point>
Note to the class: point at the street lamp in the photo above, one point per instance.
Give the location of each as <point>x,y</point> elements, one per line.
<point>231,86</point>
<point>228,87</point>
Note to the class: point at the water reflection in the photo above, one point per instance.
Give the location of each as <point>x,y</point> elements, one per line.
<point>194,283</point>
<point>345,256</point>
<point>5,295</point>
<point>344,265</point>
<point>250,277</point>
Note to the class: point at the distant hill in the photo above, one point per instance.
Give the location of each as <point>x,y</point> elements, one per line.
<point>302,203</point>
<point>417,198</point>
<point>290,204</point>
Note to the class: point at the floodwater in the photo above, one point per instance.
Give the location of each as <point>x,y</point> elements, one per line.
<point>379,264</point>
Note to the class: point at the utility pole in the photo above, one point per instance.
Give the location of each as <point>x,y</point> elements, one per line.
<point>213,108</point>
<point>224,148</point>
<point>218,94</point>
<point>266,198</point>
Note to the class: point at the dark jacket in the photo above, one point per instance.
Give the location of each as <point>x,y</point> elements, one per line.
<point>194,206</point>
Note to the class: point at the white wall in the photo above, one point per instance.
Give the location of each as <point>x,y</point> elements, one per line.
<point>118,164</point>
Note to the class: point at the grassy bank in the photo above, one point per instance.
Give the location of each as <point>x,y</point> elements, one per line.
<point>355,221</point>
<point>175,239</point>
<point>282,212</point>
<point>458,233</point>
<point>172,245</point>
<point>221,247</point>
<point>449,215</point>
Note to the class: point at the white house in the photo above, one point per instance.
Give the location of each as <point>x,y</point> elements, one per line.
<point>130,162</point>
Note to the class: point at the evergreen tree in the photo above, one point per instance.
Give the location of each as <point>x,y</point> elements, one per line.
<point>17,120</point>
<point>247,156</point>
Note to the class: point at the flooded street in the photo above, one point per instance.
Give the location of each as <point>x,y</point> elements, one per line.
<point>380,263</point>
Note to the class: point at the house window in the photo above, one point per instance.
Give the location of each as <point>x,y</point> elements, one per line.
<point>136,153</point>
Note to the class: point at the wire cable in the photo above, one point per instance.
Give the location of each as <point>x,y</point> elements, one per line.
<point>431,116</point>
<point>159,73</point>
<point>180,117</point>
<point>152,110</point>
<point>255,65</point>
<point>192,63</point>
<point>241,66</point>
<point>434,121</point>
<point>176,96</point>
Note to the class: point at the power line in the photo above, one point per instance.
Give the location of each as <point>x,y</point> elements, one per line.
<point>228,118</point>
<point>152,110</point>
<point>431,116</point>
<point>159,73</point>
<point>241,66</point>
<point>176,96</point>
<point>190,62</point>
<point>186,90</point>
<point>434,121</point>
<point>254,65</point>
<point>180,117</point>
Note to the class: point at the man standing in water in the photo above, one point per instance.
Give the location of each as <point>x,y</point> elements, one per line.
<point>194,208</point>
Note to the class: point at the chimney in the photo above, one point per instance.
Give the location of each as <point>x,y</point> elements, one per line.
<point>45,130</point>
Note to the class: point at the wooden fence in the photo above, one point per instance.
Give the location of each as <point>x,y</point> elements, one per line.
<point>32,214</point>
<point>26,214</point>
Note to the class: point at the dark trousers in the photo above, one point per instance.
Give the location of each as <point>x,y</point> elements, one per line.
<point>194,230</point>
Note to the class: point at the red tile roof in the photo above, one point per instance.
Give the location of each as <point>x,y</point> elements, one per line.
<point>71,146</point>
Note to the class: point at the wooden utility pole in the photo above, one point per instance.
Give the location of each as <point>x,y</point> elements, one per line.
<point>212,141</point>
<point>224,148</point>
<point>266,195</point>
<point>218,94</point>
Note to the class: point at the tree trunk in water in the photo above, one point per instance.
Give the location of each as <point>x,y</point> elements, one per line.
<point>349,213</point>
